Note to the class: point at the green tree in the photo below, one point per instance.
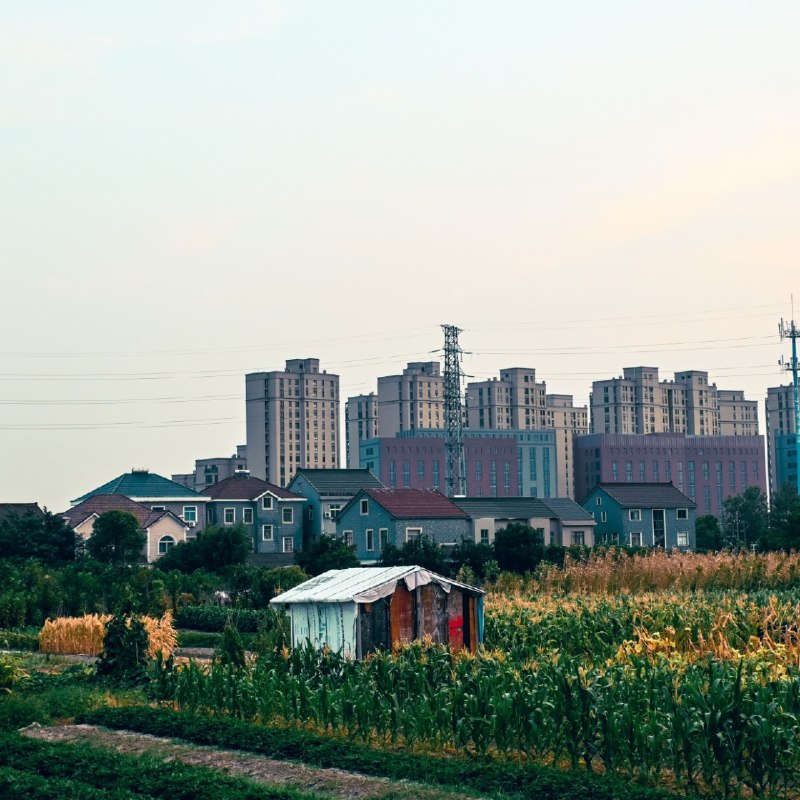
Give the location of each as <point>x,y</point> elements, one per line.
<point>472,555</point>
<point>421,552</point>
<point>215,548</point>
<point>746,518</point>
<point>124,658</point>
<point>708,534</point>
<point>518,547</point>
<point>784,519</point>
<point>116,539</point>
<point>324,553</point>
<point>46,537</point>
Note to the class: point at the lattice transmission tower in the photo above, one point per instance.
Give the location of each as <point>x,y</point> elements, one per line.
<point>788,330</point>
<point>456,477</point>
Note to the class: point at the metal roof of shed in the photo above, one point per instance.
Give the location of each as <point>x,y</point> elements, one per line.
<point>364,585</point>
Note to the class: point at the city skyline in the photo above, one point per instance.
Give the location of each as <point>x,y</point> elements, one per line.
<point>196,192</point>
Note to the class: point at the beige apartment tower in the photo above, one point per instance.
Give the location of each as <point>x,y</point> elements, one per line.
<point>411,401</point>
<point>292,420</point>
<point>361,423</point>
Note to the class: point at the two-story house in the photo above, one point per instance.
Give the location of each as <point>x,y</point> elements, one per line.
<point>642,515</point>
<point>274,516</point>
<point>377,517</point>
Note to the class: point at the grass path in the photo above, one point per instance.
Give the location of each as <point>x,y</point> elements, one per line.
<point>333,783</point>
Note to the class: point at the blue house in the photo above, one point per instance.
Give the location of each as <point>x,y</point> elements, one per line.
<point>272,515</point>
<point>642,515</point>
<point>377,517</point>
<point>327,492</point>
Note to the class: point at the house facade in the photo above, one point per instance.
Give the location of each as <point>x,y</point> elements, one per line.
<point>158,494</point>
<point>327,492</point>
<point>163,528</point>
<point>377,517</point>
<point>561,521</point>
<point>643,515</point>
<point>273,516</point>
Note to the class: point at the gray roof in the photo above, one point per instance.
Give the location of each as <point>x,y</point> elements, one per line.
<point>362,584</point>
<point>339,482</point>
<point>523,508</point>
<point>646,495</point>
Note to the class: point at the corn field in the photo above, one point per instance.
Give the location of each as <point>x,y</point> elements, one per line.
<point>697,690</point>
<point>84,635</point>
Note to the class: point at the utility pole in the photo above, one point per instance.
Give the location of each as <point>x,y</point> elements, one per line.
<point>456,476</point>
<point>788,330</point>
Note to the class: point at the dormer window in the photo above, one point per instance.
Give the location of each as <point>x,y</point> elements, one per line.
<point>266,502</point>
<point>364,507</point>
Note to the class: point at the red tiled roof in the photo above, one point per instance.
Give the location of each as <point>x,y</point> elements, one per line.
<point>423,503</point>
<point>20,509</point>
<point>100,503</point>
<point>246,488</point>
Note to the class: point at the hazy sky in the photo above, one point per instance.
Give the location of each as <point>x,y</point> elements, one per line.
<point>190,191</point>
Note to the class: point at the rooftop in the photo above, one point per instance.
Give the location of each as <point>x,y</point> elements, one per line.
<point>413,503</point>
<point>647,495</point>
<point>338,481</point>
<point>141,484</point>
<point>247,488</point>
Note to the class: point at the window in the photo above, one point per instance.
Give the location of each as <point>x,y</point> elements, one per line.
<point>412,534</point>
<point>683,538</point>
<point>370,539</point>
<point>247,516</point>
<point>364,507</point>
<point>348,538</point>
<point>158,508</point>
<point>682,513</point>
<point>603,516</point>
<point>288,544</point>
<point>165,544</point>
<point>577,538</point>
<point>266,502</point>
<point>598,501</point>
<point>636,538</point>
<point>635,514</point>
<point>484,536</point>
<point>383,537</point>
<point>190,514</point>
<point>267,534</point>
<point>229,516</point>
<point>287,516</point>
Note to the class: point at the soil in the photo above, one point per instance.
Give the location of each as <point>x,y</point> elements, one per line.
<point>333,783</point>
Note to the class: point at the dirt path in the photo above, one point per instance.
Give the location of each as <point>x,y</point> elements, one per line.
<point>334,783</point>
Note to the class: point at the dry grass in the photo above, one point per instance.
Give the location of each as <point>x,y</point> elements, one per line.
<point>84,635</point>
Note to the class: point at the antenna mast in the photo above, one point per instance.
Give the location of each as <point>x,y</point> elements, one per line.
<point>456,480</point>
<point>788,330</point>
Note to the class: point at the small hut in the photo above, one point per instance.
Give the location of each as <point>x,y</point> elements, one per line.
<point>360,610</point>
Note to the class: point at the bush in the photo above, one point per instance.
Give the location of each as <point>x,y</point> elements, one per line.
<point>214,618</point>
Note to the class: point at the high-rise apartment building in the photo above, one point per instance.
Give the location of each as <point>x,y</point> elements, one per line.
<point>361,424</point>
<point>292,420</point>
<point>413,400</point>
<point>781,431</point>
<point>516,401</point>
<point>638,402</point>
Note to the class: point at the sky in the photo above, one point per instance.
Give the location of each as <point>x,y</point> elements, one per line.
<point>193,191</point>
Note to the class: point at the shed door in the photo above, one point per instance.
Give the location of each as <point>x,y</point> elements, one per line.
<point>455,615</point>
<point>402,615</point>
<point>433,616</point>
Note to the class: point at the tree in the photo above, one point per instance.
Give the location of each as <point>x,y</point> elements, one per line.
<point>45,537</point>
<point>518,547</point>
<point>708,534</point>
<point>421,552</point>
<point>116,538</point>
<point>473,555</point>
<point>215,548</point>
<point>324,553</point>
<point>746,518</point>
<point>784,519</point>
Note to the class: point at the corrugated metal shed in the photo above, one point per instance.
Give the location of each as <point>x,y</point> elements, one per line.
<point>363,585</point>
<point>357,611</point>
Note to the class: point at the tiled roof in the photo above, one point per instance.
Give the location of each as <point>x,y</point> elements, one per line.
<point>339,481</point>
<point>523,508</point>
<point>416,503</point>
<point>647,495</point>
<point>100,503</point>
<point>247,488</point>
<point>19,510</point>
<point>143,484</point>
<point>568,510</point>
